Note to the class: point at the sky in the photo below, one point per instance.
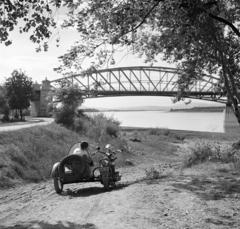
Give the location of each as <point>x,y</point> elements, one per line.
<point>39,66</point>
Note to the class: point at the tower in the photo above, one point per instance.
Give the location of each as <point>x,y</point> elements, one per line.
<point>45,98</point>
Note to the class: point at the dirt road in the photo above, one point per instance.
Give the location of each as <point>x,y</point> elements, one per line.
<point>30,122</point>
<point>176,198</point>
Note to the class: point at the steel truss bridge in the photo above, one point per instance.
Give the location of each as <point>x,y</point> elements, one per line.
<point>141,81</point>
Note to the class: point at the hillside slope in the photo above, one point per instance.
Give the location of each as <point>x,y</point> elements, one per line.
<point>28,154</point>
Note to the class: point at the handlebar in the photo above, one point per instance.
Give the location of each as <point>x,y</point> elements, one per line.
<point>112,153</point>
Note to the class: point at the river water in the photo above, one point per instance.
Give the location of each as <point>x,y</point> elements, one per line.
<point>196,121</point>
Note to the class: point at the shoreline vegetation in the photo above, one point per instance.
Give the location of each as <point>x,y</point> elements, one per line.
<point>199,109</point>
<point>163,109</point>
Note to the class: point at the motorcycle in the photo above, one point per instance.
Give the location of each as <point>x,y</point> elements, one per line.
<point>76,168</point>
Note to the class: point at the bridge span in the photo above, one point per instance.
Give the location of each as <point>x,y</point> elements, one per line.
<point>142,81</point>
<point>134,81</point>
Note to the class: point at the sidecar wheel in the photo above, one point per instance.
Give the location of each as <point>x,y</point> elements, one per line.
<point>58,186</point>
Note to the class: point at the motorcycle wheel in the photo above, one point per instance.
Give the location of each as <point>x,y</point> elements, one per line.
<point>58,186</point>
<point>105,182</point>
<point>113,185</point>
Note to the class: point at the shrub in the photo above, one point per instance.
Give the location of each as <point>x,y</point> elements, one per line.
<point>65,116</point>
<point>102,128</point>
<point>152,174</point>
<point>166,132</point>
<point>206,151</point>
<point>154,131</point>
<point>80,124</point>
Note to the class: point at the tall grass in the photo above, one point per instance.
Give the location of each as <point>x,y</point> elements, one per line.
<point>28,154</point>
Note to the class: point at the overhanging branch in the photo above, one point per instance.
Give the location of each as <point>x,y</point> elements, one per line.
<point>220,19</point>
<point>143,19</point>
<point>147,15</point>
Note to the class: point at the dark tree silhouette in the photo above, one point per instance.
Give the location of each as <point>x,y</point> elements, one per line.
<point>18,92</point>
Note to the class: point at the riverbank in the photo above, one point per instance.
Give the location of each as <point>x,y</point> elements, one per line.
<point>186,134</point>
<point>28,154</point>
<point>158,190</point>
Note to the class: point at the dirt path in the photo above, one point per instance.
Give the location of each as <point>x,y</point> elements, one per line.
<point>30,122</point>
<point>176,199</point>
<point>172,201</point>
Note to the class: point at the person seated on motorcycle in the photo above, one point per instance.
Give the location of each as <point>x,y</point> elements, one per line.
<point>84,152</point>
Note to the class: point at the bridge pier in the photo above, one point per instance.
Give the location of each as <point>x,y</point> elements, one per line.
<point>41,97</point>
<point>231,124</point>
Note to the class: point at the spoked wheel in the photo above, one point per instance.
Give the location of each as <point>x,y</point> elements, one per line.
<point>58,185</point>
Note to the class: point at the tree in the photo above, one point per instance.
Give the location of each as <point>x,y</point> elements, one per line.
<point>4,108</point>
<point>201,36</point>
<point>18,92</point>
<point>68,99</point>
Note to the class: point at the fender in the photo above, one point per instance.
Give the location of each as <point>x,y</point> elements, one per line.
<point>55,170</point>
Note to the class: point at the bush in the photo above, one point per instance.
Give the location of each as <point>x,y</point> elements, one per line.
<point>102,128</point>
<point>152,174</point>
<point>6,113</point>
<point>80,124</point>
<point>154,131</point>
<point>65,116</point>
<point>206,151</point>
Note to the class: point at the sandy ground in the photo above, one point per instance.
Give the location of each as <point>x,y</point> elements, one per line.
<point>203,197</point>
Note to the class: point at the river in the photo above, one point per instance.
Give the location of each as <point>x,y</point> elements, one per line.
<point>196,121</point>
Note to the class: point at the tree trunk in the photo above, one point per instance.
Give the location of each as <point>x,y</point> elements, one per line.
<point>21,114</point>
<point>227,76</point>
<point>230,86</point>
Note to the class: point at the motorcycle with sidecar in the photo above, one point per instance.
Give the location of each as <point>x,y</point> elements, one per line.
<point>75,168</point>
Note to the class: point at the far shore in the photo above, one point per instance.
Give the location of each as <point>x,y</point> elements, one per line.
<point>161,109</point>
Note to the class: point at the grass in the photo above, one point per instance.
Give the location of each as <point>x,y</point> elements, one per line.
<point>28,154</point>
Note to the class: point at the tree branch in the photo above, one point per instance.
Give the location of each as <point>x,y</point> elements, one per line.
<point>205,9</point>
<point>235,30</point>
<point>143,20</point>
<point>147,15</point>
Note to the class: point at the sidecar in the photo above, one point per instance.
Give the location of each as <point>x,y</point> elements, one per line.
<point>75,168</point>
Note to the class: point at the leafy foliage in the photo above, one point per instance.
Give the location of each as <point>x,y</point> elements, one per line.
<point>34,17</point>
<point>69,98</point>
<point>18,91</point>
